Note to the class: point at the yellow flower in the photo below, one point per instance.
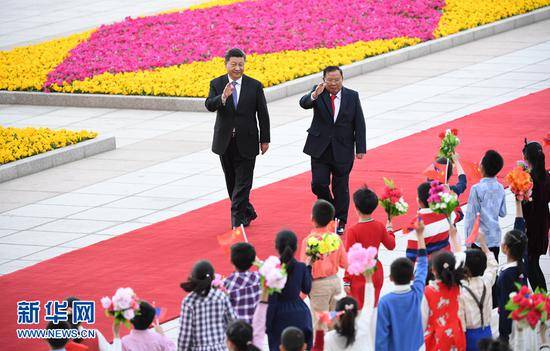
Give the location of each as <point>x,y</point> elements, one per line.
<point>18,143</point>
<point>313,241</point>
<point>26,68</point>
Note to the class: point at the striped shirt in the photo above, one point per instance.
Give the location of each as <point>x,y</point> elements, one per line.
<point>436,234</point>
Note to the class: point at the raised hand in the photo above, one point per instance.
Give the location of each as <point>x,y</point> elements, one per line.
<point>319,90</point>
<point>227,91</point>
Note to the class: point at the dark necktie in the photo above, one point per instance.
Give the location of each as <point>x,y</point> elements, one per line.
<point>235,96</point>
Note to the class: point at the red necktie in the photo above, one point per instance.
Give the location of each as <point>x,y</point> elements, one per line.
<point>332,98</point>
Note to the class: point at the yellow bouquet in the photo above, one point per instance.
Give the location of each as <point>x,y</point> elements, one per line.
<point>319,248</point>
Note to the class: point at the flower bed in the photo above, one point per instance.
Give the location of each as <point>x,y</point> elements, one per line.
<point>18,143</point>
<point>177,53</point>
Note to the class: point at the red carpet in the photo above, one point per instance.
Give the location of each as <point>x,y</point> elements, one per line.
<point>155,259</point>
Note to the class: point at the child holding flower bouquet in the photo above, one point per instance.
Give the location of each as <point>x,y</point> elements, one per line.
<point>354,327</point>
<point>369,233</point>
<point>436,231</point>
<point>286,308</point>
<point>326,284</point>
<point>243,286</point>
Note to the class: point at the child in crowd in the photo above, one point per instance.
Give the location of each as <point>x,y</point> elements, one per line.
<point>462,184</point>
<point>440,305</point>
<point>141,337</point>
<point>476,294</point>
<point>487,199</point>
<point>513,246</point>
<point>55,343</point>
<point>399,321</point>
<point>354,329</point>
<point>239,336</point>
<point>243,286</point>
<point>205,312</point>
<point>292,339</point>
<point>367,232</point>
<point>436,232</point>
<point>287,307</point>
<point>492,345</point>
<point>326,284</point>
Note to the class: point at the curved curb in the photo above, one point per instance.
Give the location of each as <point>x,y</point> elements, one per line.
<point>53,158</point>
<point>293,87</point>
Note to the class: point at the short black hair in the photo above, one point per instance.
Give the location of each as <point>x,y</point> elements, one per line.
<point>492,163</point>
<point>240,333</point>
<point>292,339</point>
<point>242,256</point>
<point>322,212</point>
<point>57,343</point>
<point>332,69</point>
<point>402,271</point>
<point>144,318</point>
<point>234,52</point>
<point>476,262</point>
<point>492,345</point>
<point>365,200</point>
<point>423,193</point>
<point>445,161</point>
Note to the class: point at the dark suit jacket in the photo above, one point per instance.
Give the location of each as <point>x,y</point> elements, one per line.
<point>347,131</point>
<point>243,118</point>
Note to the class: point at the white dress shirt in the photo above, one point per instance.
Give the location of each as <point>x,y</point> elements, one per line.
<point>237,88</point>
<point>337,103</point>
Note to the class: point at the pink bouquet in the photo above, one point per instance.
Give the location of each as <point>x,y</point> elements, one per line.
<point>123,306</point>
<point>361,260</point>
<point>442,200</point>
<point>218,282</point>
<point>273,274</point>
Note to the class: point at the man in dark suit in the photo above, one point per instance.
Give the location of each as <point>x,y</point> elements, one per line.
<point>237,99</point>
<point>335,137</point>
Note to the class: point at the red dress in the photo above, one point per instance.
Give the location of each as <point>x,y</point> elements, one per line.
<point>444,330</point>
<point>371,233</point>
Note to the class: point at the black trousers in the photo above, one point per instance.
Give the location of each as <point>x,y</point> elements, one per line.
<point>239,172</point>
<point>534,272</point>
<point>322,170</point>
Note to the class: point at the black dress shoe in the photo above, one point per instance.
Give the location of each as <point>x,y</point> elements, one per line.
<point>341,228</point>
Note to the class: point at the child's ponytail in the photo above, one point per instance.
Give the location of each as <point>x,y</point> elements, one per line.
<point>201,278</point>
<point>346,324</point>
<point>444,264</point>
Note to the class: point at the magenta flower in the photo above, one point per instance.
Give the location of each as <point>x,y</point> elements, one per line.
<point>263,26</point>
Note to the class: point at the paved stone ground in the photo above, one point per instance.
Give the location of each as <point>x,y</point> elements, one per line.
<point>163,166</point>
<point>26,21</point>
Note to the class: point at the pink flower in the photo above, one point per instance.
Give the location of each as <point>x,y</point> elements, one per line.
<point>218,280</point>
<point>123,299</point>
<point>361,259</point>
<point>273,274</point>
<point>262,26</point>
<point>106,302</point>
<point>129,314</point>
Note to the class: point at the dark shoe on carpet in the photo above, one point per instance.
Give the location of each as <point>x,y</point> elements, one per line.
<point>341,228</point>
